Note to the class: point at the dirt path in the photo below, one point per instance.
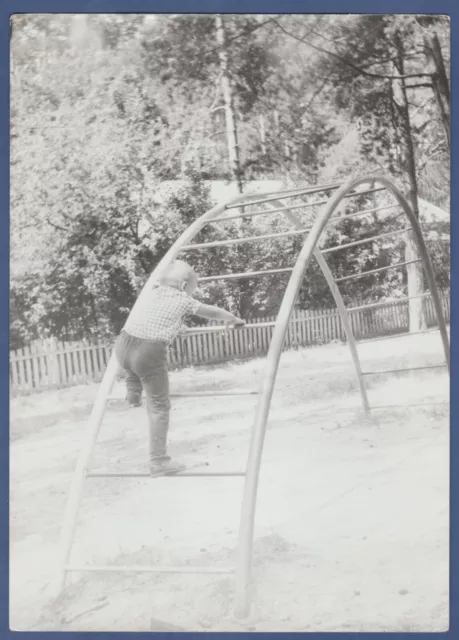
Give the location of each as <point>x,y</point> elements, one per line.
<point>352,518</point>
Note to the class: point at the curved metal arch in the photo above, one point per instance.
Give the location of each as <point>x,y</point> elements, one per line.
<point>247,520</point>
<point>254,460</point>
<point>108,380</point>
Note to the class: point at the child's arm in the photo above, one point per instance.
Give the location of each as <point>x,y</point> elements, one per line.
<point>210,312</point>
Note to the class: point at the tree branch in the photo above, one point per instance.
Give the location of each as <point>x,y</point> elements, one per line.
<point>436,151</point>
<point>422,105</point>
<point>348,62</point>
<point>420,84</point>
<point>55,226</point>
<point>242,34</point>
<point>389,59</point>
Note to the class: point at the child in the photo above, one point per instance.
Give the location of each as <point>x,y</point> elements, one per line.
<point>141,350</point>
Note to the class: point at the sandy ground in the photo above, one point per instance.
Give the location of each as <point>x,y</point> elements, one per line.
<point>352,525</point>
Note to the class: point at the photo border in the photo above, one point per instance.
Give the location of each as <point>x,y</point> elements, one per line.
<point>9,7</point>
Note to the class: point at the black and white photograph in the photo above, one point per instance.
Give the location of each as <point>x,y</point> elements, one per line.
<point>229,322</point>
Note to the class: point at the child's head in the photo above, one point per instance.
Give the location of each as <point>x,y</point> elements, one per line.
<point>181,276</point>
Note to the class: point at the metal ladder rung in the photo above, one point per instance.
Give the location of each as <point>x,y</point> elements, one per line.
<point>406,334</point>
<point>383,303</point>
<point>236,241</point>
<point>356,243</point>
<point>200,394</point>
<point>258,325</point>
<point>386,268</point>
<point>415,404</point>
<point>182,474</point>
<point>397,406</point>
<point>427,366</point>
<point>358,214</point>
<point>246,274</point>
<point>148,569</point>
<point>290,194</point>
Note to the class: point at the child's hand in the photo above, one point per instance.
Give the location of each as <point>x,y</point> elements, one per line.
<point>234,323</point>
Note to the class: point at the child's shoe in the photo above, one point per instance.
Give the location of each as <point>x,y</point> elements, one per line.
<point>165,468</point>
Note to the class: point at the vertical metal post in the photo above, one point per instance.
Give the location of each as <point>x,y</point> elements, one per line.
<point>345,319</point>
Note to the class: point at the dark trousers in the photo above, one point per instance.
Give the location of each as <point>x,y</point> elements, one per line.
<point>145,363</point>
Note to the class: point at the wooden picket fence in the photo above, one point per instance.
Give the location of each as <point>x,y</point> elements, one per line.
<point>51,364</point>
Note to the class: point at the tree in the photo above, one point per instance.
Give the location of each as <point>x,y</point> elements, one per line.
<point>107,108</point>
<point>379,62</point>
<point>221,59</point>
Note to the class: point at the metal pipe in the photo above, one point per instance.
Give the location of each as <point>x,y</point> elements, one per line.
<point>246,274</point>
<point>356,243</point>
<point>182,474</point>
<point>382,303</point>
<point>404,406</point>
<point>199,394</point>
<point>223,243</point>
<point>290,193</point>
<point>358,214</point>
<point>299,193</point>
<point>427,366</point>
<point>270,236</point>
<point>398,335</point>
<point>343,314</point>
<point>212,394</point>
<point>251,274</point>
<point>345,319</point>
<point>287,192</point>
<point>391,406</point>
<point>146,569</point>
<point>272,323</point>
<point>365,273</point>
<point>265,212</point>
<point>222,328</point>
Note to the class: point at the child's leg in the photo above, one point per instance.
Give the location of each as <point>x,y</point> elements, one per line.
<point>133,383</point>
<point>156,384</point>
<point>133,388</point>
<point>148,361</point>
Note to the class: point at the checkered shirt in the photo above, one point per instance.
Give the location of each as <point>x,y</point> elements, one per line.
<point>161,314</point>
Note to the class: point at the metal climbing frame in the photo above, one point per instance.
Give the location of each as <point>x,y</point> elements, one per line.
<point>221,214</point>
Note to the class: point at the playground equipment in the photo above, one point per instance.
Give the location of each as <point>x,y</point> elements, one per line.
<point>239,207</point>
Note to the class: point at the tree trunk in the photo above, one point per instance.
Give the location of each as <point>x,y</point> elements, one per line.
<point>440,84</point>
<point>415,274</point>
<point>262,134</point>
<point>230,118</point>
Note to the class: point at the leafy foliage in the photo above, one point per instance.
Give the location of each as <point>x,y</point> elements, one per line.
<point>105,108</point>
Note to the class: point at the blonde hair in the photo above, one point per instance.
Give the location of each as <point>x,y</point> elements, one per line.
<point>177,274</point>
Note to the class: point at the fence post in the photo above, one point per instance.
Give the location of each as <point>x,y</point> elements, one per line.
<point>53,364</point>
